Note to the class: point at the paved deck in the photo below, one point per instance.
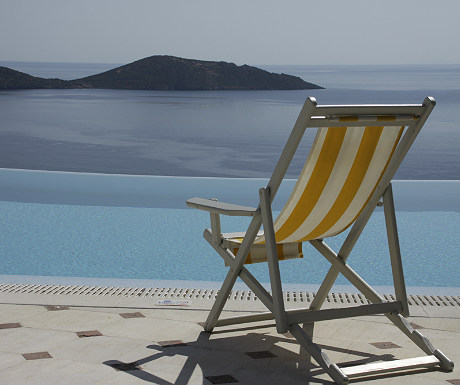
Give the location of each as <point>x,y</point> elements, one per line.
<point>89,339</point>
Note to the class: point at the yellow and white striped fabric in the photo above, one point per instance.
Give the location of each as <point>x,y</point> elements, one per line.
<point>343,169</point>
<point>258,252</point>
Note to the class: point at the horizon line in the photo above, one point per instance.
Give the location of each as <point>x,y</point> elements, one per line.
<point>258,64</point>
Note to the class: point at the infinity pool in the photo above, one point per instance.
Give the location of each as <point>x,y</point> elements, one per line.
<point>65,239</point>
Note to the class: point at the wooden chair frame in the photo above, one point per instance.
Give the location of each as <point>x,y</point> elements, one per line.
<point>313,115</point>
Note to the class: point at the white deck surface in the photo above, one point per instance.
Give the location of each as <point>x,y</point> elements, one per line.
<point>132,330</point>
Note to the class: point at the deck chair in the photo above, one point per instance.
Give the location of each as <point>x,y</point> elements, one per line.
<point>348,172</point>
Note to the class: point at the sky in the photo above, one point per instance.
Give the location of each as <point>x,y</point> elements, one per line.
<point>240,31</point>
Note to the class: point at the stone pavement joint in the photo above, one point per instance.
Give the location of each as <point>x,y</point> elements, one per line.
<point>56,308</point>
<point>223,379</point>
<point>36,355</point>
<point>385,345</point>
<point>261,354</point>
<point>10,325</point>
<point>132,315</point>
<point>89,333</point>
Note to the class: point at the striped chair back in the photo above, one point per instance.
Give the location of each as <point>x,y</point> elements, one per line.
<point>346,162</point>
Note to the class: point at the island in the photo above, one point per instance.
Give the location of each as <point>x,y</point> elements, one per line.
<point>161,72</point>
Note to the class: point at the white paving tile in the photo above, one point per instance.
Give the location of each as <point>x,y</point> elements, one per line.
<point>29,340</point>
<point>100,349</point>
<point>9,359</point>
<point>11,313</point>
<point>53,372</point>
<point>71,320</point>
<point>151,328</point>
<point>86,360</point>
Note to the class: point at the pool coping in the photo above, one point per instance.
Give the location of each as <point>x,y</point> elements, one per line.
<point>433,306</point>
<point>184,284</point>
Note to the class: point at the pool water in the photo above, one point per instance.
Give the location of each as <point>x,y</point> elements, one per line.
<point>166,243</point>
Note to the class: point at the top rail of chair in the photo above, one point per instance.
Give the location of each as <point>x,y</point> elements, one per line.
<point>370,109</point>
<point>367,114</point>
<point>366,120</point>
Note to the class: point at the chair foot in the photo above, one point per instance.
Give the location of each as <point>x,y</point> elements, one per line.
<point>207,327</point>
<point>337,375</point>
<point>445,362</point>
<point>318,355</point>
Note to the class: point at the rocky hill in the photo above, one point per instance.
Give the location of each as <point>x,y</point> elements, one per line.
<point>11,79</point>
<point>166,73</point>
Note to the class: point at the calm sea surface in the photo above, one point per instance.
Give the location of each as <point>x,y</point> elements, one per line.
<point>211,133</point>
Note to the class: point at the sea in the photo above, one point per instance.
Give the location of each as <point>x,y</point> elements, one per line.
<point>212,133</point>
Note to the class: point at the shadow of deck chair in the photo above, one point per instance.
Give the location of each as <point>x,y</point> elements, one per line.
<point>348,172</point>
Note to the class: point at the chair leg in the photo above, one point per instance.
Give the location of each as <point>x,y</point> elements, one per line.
<point>235,269</point>
<point>341,266</point>
<point>324,289</point>
<point>318,354</point>
<point>219,303</point>
<point>245,275</point>
<point>309,329</point>
<point>344,253</point>
<point>273,264</point>
<point>395,252</point>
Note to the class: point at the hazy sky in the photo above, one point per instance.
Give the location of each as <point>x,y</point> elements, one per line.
<point>239,31</point>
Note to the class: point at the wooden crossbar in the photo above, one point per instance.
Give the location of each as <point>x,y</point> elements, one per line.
<point>346,312</point>
<point>370,109</point>
<point>324,121</point>
<point>390,366</point>
<point>307,315</point>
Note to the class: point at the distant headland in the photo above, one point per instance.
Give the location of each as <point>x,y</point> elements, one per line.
<point>165,73</point>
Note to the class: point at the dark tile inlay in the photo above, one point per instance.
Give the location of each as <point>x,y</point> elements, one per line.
<point>126,366</point>
<point>11,325</point>
<point>261,354</point>
<point>132,315</point>
<point>89,333</point>
<point>224,379</point>
<point>455,381</point>
<point>36,356</point>
<point>385,345</point>
<point>167,344</point>
<point>55,308</point>
<point>415,326</point>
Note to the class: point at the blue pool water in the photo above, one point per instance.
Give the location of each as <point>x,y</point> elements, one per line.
<point>166,244</point>
<point>74,240</point>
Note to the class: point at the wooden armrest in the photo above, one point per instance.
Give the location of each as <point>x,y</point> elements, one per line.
<point>220,207</point>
